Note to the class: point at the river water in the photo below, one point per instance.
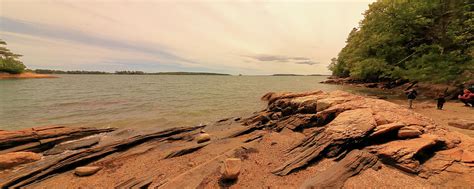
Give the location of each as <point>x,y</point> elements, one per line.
<point>142,101</point>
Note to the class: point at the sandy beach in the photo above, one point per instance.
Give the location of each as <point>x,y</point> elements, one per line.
<point>26,75</point>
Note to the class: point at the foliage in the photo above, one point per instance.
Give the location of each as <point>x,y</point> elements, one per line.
<point>410,39</point>
<point>9,62</point>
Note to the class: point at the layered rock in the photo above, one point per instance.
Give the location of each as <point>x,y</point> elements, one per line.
<point>310,140</point>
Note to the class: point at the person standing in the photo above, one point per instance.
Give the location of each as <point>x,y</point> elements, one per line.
<point>441,100</point>
<point>411,95</point>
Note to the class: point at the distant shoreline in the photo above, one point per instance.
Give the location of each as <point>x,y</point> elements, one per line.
<point>44,71</point>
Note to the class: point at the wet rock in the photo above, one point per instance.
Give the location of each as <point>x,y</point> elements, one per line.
<point>203,137</point>
<point>231,168</point>
<point>86,170</point>
<point>13,159</point>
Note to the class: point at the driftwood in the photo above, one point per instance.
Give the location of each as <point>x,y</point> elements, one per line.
<point>37,171</point>
<point>335,176</point>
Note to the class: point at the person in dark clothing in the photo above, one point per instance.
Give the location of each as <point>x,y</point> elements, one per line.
<point>411,95</point>
<point>441,100</point>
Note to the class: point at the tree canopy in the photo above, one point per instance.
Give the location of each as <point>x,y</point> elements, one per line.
<point>9,61</point>
<point>417,40</point>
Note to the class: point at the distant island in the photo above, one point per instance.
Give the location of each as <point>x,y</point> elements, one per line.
<point>46,71</point>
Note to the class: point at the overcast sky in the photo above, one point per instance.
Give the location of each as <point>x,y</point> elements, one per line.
<point>248,37</point>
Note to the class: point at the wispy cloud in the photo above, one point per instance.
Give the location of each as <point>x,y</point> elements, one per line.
<point>307,63</point>
<point>280,58</point>
<point>58,33</point>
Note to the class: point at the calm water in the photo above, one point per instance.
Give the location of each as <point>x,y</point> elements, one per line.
<point>140,101</point>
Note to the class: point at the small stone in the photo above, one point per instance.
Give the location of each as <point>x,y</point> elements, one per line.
<point>13,159</point>
<point>231,168</point>
<point>203,137</point>
<point>86,170</point>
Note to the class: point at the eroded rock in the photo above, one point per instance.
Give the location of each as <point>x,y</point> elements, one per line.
<point>407,154</point>
<point>13,159</point>
<point>335,176</point>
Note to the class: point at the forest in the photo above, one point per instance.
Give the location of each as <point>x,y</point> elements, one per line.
<point>416,40</point>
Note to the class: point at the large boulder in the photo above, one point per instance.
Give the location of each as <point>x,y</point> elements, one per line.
<point>13,159</point>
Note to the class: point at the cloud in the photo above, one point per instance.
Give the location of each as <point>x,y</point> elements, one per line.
<point>279,58</point>
<point>58,33</point>
<point>307,63</point>
<point>180,35</point>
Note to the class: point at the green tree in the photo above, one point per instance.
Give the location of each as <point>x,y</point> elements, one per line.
<point>9,61</point>
<point>411,39</point>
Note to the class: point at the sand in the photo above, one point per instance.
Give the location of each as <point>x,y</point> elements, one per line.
<point>452,110</point>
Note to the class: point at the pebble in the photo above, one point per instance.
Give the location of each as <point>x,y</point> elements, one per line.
<point>86,170</point>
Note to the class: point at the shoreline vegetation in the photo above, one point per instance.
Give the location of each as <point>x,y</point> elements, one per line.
<point>284,145</point>
<point>429,42</point>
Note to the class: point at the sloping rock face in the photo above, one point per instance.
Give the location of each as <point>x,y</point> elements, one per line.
<point>399,137</point>
<point>307,140</point>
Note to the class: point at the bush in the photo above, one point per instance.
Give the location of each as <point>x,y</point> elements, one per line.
<point>12,66</point>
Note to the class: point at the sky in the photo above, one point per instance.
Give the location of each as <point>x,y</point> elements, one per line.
<point>235,37</point>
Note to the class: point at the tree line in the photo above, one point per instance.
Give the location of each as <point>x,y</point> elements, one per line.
<point>416,40</point>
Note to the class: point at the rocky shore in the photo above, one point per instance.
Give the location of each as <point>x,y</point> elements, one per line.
<point>301,140</point>
<point>26,75</point>
<point>427,90</point>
